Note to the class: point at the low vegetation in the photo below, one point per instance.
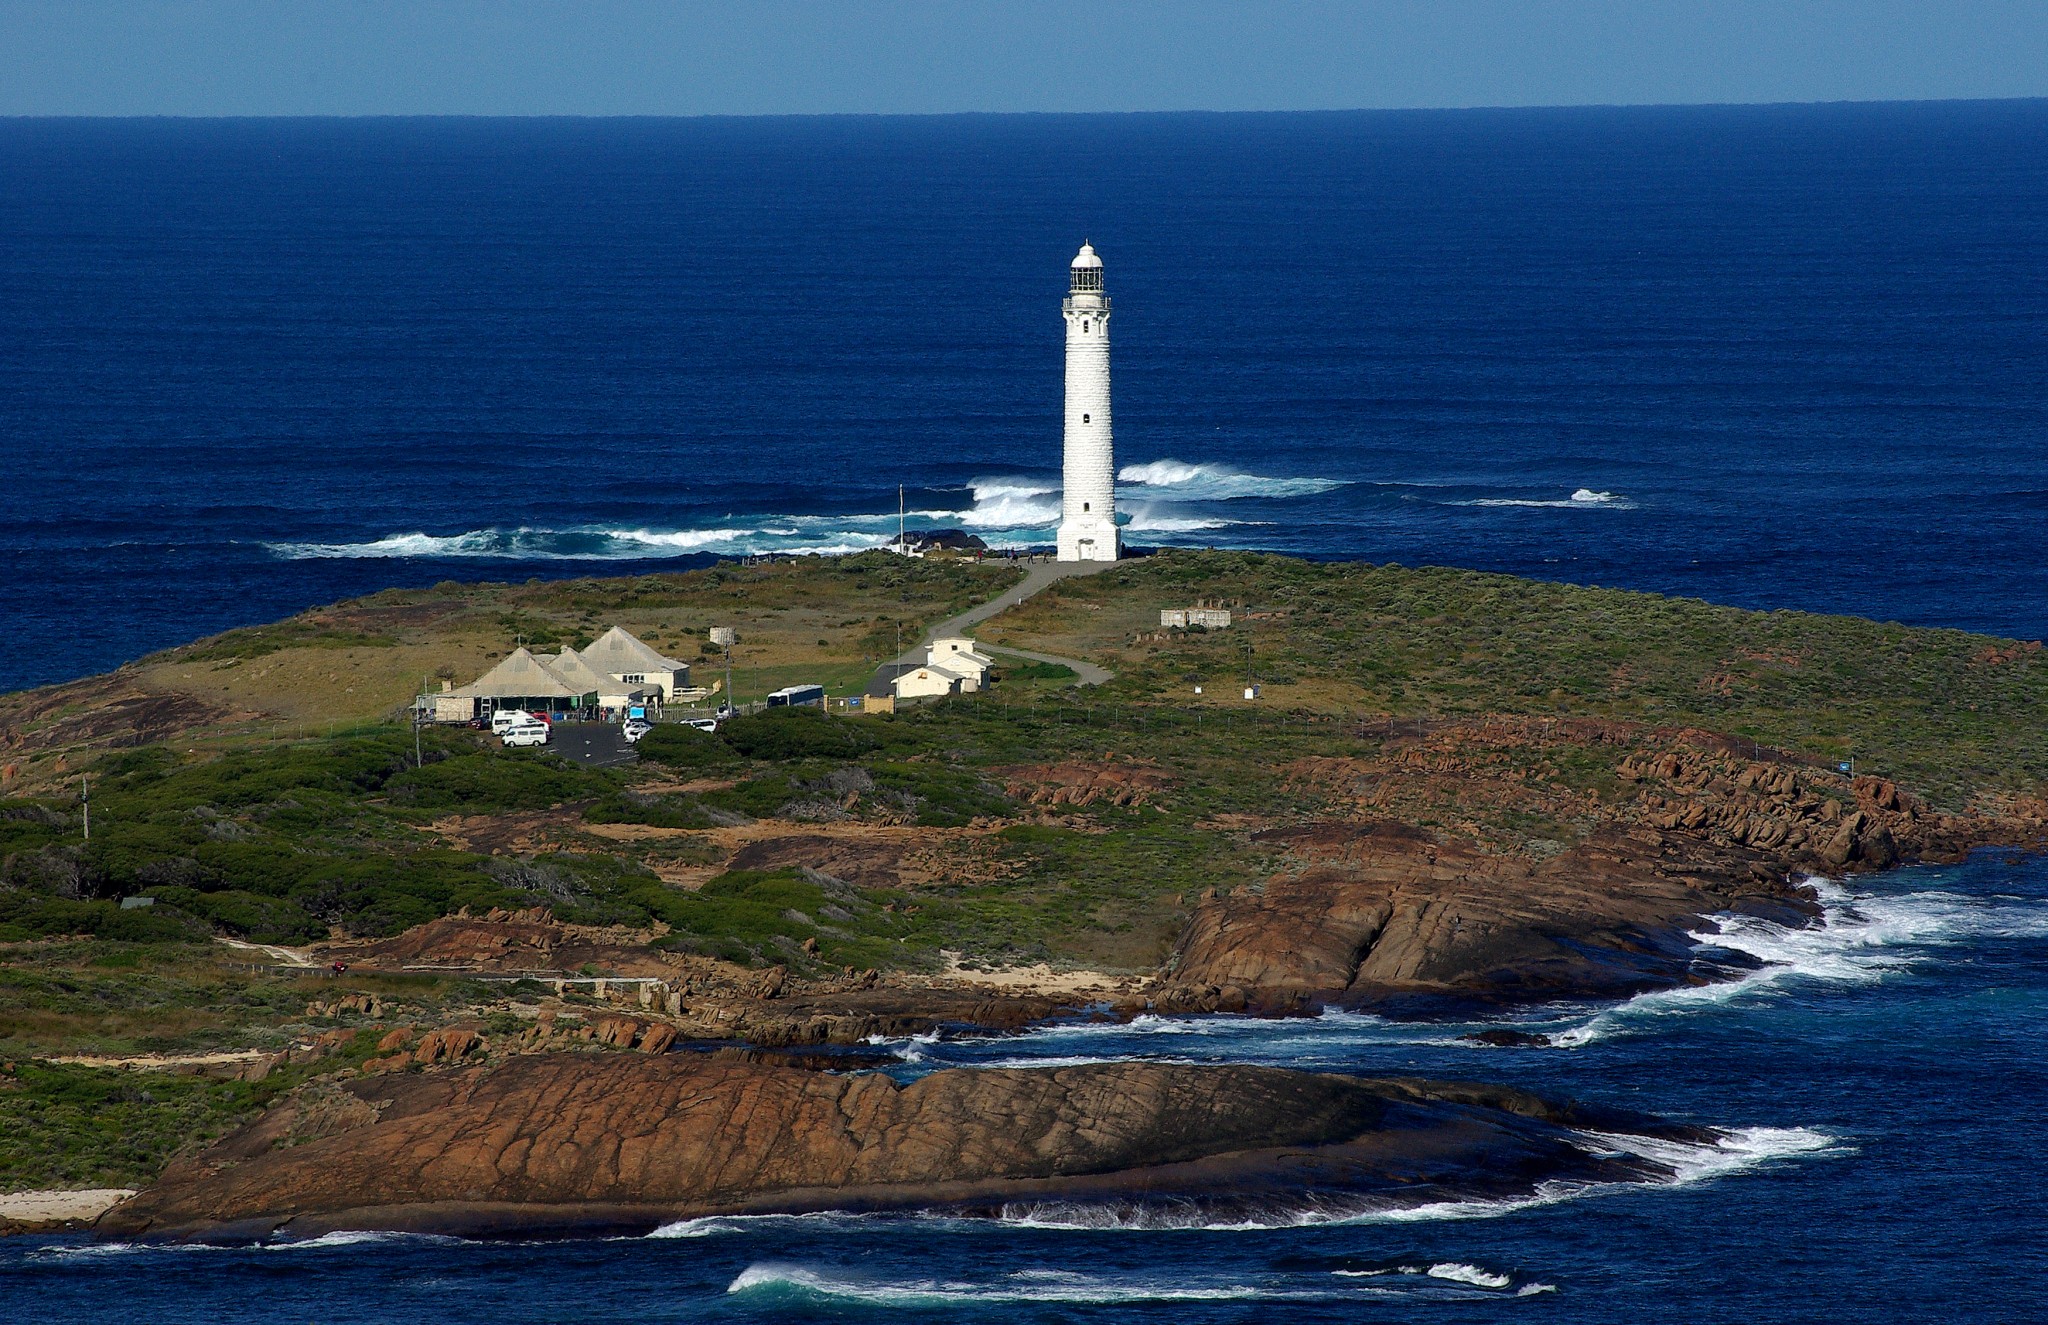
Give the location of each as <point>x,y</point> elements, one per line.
<point>1950,712</point>
<point>1033,821</point>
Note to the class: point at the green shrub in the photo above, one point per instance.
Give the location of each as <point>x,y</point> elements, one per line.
<point>680,746</point>
<point>25,916</point>
<point>799,733</point>
<point>639,807</point>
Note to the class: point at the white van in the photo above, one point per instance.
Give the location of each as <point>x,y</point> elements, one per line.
<point>530,732</point>
<point>505,719</point>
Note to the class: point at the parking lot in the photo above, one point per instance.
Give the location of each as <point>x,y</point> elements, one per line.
<point>597,744</point>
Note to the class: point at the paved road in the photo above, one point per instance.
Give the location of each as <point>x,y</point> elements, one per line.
<point>1036,577</point>
<point>592,744</point>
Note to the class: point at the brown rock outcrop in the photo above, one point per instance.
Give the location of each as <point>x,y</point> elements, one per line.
<point>1544,877</point>
<point>619,1142</point>
<point>1114,782</point>
<point>1382,913</point>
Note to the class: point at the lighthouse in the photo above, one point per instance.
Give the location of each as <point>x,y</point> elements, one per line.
<point>1088,528</point>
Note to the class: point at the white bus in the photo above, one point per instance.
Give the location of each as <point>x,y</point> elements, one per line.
<point>797,697</point>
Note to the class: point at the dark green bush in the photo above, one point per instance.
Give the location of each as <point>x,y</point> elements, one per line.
<point>680,746</point>
<point>799,733</point>
<point>25,916</point>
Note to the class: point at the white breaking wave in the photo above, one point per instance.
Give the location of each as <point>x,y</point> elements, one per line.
<point>1145,520</point>
<point>600,543</point>
<point>1449,1280</point>
<point>1863,938</point>
<point>1014,1288</point>
<point>1185,482</point>
<point>1469,1274</point>
<point>1737,1150</point>
<point>1581,499</point>
<point>1011,503</point>
<point>709,1226</point>
<point>1005,512</point>
<point>325,1242</point>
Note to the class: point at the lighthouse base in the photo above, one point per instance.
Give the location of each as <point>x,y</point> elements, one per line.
<point>1090,540</point>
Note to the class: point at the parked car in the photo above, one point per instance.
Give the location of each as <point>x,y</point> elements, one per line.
<point>505,719</point>
<point>702,724</point>
<point>636,729</point>
<point>525,734</point>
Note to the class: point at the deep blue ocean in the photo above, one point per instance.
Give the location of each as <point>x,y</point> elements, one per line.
<point>1777,357</point>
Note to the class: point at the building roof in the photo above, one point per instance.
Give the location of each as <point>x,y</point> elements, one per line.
<point>618,652</point>
<point>1086,257</point>
<point>578,673</point>
<point>520,676</point>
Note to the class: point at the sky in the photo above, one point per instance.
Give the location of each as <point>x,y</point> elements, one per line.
<point>757,57</point>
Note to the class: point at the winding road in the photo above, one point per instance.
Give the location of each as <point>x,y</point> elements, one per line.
<point>1038,575</point>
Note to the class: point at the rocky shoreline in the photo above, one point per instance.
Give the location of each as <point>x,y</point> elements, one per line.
<point>581,1144</point>
<point>1375,913</point>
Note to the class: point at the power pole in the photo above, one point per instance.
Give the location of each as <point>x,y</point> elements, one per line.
<point>85,805</point>
<point>724,637</point>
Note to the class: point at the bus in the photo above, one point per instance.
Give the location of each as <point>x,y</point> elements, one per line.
<point>797,697</point>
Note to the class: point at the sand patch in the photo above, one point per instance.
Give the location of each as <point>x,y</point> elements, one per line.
<point>51,1207</point>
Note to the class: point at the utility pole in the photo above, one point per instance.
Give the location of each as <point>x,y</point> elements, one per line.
<point>419,715</point>
<point>85,805</point>
<point>724,637</point>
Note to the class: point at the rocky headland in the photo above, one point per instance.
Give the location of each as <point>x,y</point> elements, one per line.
<point>590,1143</point>
<point>1371,910</point>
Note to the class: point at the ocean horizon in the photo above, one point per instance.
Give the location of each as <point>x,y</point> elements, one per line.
<point>1778,357</point>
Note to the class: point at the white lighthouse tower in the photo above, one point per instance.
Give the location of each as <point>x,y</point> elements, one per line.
<point>1088,530</point>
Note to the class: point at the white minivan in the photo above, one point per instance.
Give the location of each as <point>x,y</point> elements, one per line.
<point>530,732</point>
<point>506,719</point>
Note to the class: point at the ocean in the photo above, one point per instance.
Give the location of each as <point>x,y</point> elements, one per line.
<point>1781,357</point>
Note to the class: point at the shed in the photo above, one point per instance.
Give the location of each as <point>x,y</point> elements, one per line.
<point>928,681</point>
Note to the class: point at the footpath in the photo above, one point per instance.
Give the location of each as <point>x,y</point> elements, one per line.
<point>1038,575</point>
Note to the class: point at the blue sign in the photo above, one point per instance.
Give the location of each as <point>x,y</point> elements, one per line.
<point>636,712</point>
<point>1843,767</point>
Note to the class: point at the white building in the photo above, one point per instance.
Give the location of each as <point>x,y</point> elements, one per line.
<point>957,654</point>
<point>927,682</point>
<point>1088,526</point>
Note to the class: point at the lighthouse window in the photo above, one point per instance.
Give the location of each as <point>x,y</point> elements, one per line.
<point>1084,418</point>
<point>1084,505</point>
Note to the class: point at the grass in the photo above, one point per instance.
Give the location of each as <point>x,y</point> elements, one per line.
<point>1952,713</point>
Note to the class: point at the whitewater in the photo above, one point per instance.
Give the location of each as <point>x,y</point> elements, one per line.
<point>1168,502</point>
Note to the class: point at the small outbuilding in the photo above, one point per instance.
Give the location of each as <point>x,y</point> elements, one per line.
<point>927,682</point>
<point>957,654</point>
<point>1180,618</point>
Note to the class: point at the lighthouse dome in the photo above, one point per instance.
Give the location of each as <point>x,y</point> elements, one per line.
<point>1086,257</point>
